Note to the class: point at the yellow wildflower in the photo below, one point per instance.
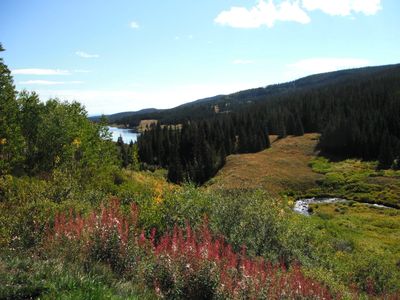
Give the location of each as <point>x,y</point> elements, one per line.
<point>3,141</point>
<point>76,142</point>
<point>158,193</point>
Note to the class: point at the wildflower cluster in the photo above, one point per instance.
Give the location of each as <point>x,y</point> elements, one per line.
<point>184,263</point>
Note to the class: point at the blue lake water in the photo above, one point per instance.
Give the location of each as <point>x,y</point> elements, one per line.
<point>127,134</point>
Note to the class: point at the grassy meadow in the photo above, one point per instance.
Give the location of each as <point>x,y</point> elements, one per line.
<point>283,167</point>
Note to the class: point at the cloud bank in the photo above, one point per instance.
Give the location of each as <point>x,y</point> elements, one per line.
<point>264,13</point>
<point>267,13</point>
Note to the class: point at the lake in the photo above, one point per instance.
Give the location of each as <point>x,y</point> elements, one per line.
<point>127,134</point>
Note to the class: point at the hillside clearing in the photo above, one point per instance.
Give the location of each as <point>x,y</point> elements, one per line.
<point>282,167</point>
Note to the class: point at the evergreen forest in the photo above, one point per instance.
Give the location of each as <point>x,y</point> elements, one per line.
<point>356,113</point>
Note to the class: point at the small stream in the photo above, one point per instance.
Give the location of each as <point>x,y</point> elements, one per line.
<point>301,206</point>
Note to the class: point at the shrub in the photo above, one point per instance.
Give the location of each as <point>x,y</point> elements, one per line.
<point>263,224</point>
<point>374,275</point>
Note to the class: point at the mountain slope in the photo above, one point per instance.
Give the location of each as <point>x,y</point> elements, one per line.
<point>117,116</point>
<point>208,107</point>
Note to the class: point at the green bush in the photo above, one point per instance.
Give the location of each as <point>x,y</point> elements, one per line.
<point>333,180</point>
<point>373,274</point>
<point>264,225</point>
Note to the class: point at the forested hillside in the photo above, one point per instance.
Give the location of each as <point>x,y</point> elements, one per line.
<point>356,112</point>
<point>204,108</point>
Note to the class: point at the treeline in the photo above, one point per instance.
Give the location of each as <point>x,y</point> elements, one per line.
<point>198,150</point>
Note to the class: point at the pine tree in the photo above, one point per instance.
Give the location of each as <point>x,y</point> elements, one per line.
<point>298,128</point>
<point>175,169</point>
<point>134,157</point>
<point>386,156</point>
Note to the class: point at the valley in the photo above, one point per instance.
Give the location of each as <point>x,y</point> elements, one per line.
<point>200,205</point>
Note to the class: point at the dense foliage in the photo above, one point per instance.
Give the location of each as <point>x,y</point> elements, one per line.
<point>11,139</point>
<point>38,138</point>
<point>198,150</point>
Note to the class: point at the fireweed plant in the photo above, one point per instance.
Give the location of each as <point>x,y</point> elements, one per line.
<point>183,263</point>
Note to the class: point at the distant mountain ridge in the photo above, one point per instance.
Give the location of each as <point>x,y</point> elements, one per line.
<point>113,117</point>
<point>207,107</point>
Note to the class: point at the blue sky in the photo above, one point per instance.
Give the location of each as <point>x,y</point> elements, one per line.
<point>127,55</point>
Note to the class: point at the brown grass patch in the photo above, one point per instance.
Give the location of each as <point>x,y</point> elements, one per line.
<point>146,124</point>
<point>283,166</point>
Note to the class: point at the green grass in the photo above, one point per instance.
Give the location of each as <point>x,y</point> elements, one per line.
<point>25,277</point>
<point>356,180</point>
<point>368,228</point>
<point>365,243</point>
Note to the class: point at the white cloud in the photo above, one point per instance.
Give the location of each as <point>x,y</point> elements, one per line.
<point>343,7</point>
<point>243,62</point>
<point>134,25</point>
<point>320,65</point>
<point>268,12</point>
<point>264,13</point>
<point>40,72</point>
<point>86,55</point>
<point>48,82</point>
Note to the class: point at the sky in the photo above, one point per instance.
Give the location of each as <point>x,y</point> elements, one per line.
<point>126,55</point>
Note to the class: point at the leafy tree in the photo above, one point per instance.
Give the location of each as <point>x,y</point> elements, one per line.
<point>12,142</point>
<point>30,117</point>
